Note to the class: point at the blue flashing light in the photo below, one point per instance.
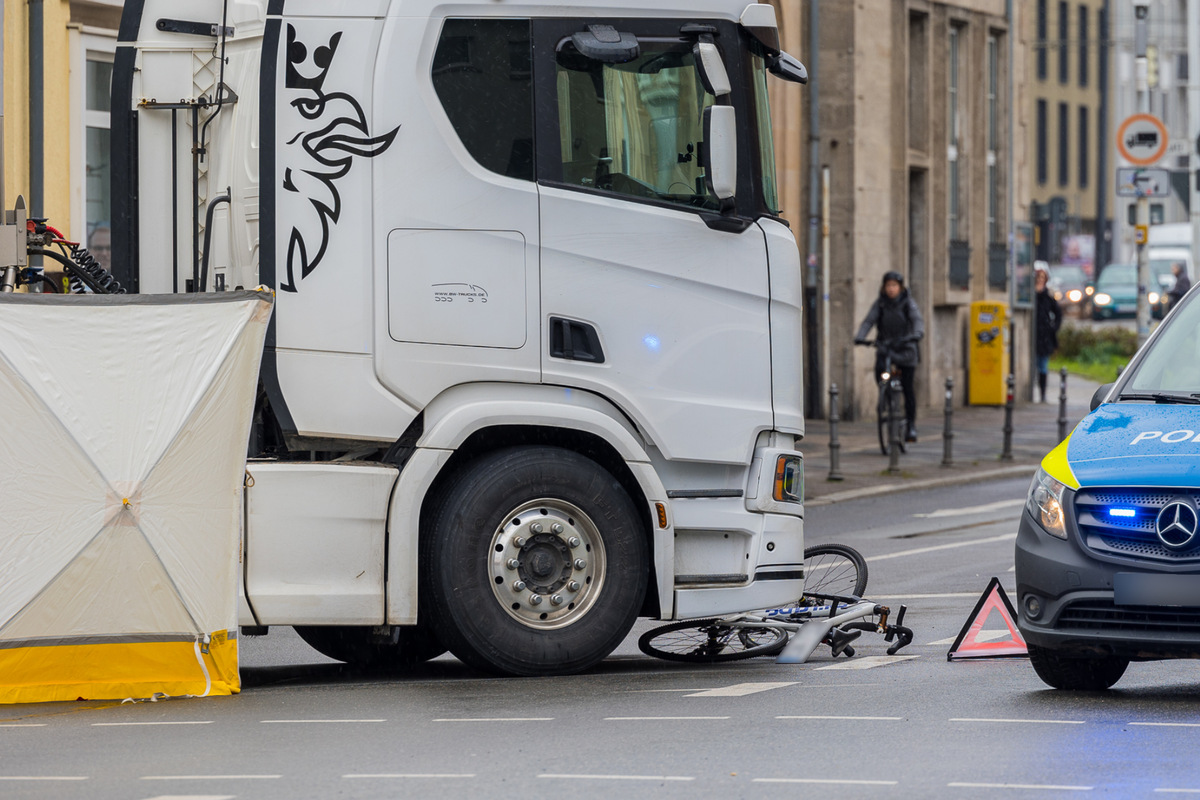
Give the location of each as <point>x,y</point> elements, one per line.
<point>652,343</point>
<point>1122,512</point>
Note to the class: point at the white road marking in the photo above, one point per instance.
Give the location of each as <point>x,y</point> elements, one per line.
<point>982,636</point>
<point>1168,725</point>
<point>193,797</point>
<point>867,662</point>
<point>652,691</point>
<point>983,509</point>
<point>1022,721</point>
<point>928,596</point>
<point>42,778</point>
<point>935,547</point>
<point>619,777</point>
<point>825,781</point>
<point>22,725</point>
<point>1034,786</point>
<point>125,724</point>
<point>1179,791</point>
<point>654,719</point>
<point>386,775</point>
<point>314,721</point>
<point>496,719</point>
<point>741,689</point>
<point>210,777</point>
<point>815,716</point>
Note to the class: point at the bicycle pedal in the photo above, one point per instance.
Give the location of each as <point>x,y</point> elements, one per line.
<point>840,640</point>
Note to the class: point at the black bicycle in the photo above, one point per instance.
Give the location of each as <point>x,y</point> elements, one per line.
<point>890,418</point>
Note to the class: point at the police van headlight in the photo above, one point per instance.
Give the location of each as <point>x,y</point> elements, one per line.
<point>1045,504</point>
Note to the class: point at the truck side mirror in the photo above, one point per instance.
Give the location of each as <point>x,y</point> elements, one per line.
<point>720,152</point>
<point>788,68</point>
<point>711,69</point>
<point>1100,394</point>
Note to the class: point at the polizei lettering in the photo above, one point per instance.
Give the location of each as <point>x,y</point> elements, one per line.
<point>1171,437</point>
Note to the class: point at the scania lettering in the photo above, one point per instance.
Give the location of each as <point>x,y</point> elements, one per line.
<point>534,368</point>
<point>1108,551</point>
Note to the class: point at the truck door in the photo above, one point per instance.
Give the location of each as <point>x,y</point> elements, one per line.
<point>643,301</point>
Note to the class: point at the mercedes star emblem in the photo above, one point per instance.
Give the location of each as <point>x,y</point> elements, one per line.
<point>1176,525</point>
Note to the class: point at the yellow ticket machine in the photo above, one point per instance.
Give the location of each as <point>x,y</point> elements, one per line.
<point>988,365</point>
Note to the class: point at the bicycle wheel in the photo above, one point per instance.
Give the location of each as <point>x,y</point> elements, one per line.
<point>835,569</point>
<point>707,641</point>
<point>888,412</point>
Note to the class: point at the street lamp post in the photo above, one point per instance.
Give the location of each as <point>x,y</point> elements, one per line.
<point>1141,10</point>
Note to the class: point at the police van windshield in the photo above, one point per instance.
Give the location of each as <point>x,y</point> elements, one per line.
<point>1171,365</point>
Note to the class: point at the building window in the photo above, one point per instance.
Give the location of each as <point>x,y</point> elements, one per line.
<point>1041,39</point>
<point>1064,50</point>
<point>1042,156</point>
<point>954,133</point>
<point>1083,45</point>
<point>1064,145</point>
<point>995,233</point>
<point>1084,173</point>
<point>91,58</point>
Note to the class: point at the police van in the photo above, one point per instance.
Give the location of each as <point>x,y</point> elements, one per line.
<point>1108,549</point>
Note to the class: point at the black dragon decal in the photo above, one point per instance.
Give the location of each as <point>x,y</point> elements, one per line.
<point>341,134</point>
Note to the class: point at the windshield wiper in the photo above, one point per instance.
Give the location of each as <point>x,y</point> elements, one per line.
<point>1165,398</point>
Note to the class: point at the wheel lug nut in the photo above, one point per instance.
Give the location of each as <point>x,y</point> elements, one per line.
<point>512,563</point>
<point>580,563</point>
<point>519,541</point>
<point>556,599</point>
<point>518,586</point>
<point>556,528</point>
<point>573,542</point>
<point>535,599</point>
<point>535,527</point>
<point>573,586</point>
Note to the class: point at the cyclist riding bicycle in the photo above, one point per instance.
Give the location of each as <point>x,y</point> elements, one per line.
<point>899,326</point>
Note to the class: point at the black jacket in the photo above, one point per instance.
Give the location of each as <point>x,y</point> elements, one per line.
<point>1049,319</point>
<point>898,323</point>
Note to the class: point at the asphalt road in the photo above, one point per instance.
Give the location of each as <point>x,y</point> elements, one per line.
<point>872,726</point>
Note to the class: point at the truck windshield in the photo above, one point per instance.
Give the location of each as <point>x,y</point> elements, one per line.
<point>1172,364</point>
<point>634,128</point>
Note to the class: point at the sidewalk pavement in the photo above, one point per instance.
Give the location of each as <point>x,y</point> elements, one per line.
<point>976,446</point>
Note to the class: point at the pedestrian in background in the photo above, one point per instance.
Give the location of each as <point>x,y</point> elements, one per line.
<point>899,326</point>
<point>1182,284</point>
<point>1049,319</point>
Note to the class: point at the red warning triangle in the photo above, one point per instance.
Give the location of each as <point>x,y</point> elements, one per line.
<point>967,645</point>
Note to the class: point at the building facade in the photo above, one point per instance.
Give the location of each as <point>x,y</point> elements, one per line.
<point>1066,120</point>
<point>78,39</point>
<point>915,126</point>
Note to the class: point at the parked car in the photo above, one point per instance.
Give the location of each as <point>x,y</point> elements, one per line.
<point>1071,287</point>
<point>1117,291</point>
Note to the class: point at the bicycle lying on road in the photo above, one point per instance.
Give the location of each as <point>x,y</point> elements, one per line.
<point>831,611</point>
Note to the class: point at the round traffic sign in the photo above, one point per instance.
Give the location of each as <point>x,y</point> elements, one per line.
<point>1142,140</point>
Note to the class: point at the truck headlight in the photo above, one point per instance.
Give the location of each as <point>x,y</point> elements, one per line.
<point>1045,504</point>
<point>789,479</point>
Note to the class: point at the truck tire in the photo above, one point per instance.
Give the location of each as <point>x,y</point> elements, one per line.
<point>1090,674</point>
<point>358,645</point>
<point>534,562</point>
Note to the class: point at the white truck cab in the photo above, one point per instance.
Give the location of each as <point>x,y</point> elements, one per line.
<point>535,365</point>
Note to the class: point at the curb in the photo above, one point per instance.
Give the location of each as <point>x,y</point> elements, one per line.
<point>928,483</point>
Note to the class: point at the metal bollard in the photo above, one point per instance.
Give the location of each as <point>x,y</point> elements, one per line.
<point>947,428</point>
<point>1062,404</point>
<point>894,432</point>
<point>835,447</point>
<point>1007,454</point>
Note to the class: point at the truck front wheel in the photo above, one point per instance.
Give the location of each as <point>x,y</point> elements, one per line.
<point>534,562</point>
